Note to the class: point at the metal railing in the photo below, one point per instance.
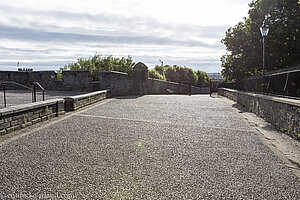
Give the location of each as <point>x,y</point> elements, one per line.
<point>34,99</point>
<point>34,90</point>
<point>284,83</point>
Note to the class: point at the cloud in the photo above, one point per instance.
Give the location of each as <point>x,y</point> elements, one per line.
<point>15,33</point>
<point>58,32</point>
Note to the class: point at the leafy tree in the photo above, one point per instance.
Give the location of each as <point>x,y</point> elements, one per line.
<point>203,79</point>
<point>180,74</point>
<point>160,69</point>
<point>153,73</point>
<point>98,62</point>
<point>171,74</point>
<point>244,41</point>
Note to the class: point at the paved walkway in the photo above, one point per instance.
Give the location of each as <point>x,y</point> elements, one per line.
<point>149,147</point>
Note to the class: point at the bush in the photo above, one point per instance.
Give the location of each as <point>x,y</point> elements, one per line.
<point>98,62</point>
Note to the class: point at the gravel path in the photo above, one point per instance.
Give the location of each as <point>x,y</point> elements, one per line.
<point>149,147</point>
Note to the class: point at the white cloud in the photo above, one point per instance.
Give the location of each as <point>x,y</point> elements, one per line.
<point>57,32</point>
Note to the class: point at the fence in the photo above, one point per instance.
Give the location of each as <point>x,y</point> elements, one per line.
<point>18,85</point>
<point>284,82</point>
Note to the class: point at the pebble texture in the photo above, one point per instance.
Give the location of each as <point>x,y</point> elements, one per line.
<point>149,147</point>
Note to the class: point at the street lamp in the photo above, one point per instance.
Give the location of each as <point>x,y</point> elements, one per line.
<point>264,29</point>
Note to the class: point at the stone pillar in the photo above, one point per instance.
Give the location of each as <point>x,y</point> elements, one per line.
<point>140,79</point>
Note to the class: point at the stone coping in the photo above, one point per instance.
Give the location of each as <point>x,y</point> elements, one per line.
<point>114,72</point>
<point>164,81</point>
<point>29,106</point>
<point>294,102</point>
<point>83,96</point>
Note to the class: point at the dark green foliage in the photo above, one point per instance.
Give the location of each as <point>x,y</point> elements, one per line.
<point>203,79</point>
<point>180,75</point>
<point>98,62</point>
<point>155,74</point>
<point>244,41</point>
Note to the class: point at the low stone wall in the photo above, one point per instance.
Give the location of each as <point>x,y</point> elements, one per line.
<point>16,117</point>
<point>75,102</point>
<point>21,116</point>
<point>157,86</point>
<point>198,90</point>
<point>283,113</point>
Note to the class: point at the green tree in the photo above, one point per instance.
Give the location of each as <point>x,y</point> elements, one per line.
<point>160,69</point>
<point>180,74</point>
<point>153,73</point>
<point>171,74</point>
<point>203,79</point>
<point>98,62</point>
<point>244,41</point>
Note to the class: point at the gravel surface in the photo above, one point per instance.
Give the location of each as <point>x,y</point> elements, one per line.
<point>16,97</point>
<point>149,147</point>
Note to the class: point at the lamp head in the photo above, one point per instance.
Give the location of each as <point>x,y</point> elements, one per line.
<point>264,29</point>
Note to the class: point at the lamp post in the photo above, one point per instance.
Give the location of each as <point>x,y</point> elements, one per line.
<point>264,29</point>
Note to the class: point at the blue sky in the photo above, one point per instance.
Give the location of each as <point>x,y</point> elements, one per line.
<point>46,35</point>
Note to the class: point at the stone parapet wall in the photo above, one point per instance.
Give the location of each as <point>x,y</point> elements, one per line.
<point>79,101</point>
<point>21,116</point>
<point>156,86</point>
<point>134,83</point>
<point>70,80</point>
<point>17,117</point>
<point>118,83</point>
<point>283,113</point>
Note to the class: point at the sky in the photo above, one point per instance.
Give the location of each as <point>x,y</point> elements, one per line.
<point>46,35</point>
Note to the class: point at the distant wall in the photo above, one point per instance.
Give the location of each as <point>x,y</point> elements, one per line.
<point>117,82</point>
<point>77,80</point>
<point>46,78</point>
<point>135,83</point>
<point>71,80</point>
<point>283,113</point>
<point>157,86</point>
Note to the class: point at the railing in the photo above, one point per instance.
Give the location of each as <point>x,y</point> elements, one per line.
<point>284,83</point>
<point>34,99</point>
<point>34,90</point>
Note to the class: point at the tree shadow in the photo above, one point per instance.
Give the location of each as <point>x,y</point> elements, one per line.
<point>128,97</point>
<point>240,108</point>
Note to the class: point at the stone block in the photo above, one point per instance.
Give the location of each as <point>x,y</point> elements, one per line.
<point>15,123</point>
<point>44,118</point>
<point>8,119</point>
<point>10,130</point>
<point>18,127</point>
<point>3,132</point>
<point>4,125</point>
<point>35,121</point>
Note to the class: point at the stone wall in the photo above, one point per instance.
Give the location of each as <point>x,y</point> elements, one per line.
<point>46,78</point>
<point>135,83</point>
<point>71,80</point>
<point>157,86</point>
<point>79,101</point>
<point>283,113</point>
<point>21,116</point>
<point>77,80</point>
<point>117,82</point>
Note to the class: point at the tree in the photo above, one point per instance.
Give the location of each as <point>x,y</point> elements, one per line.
<point>203,79</point>
<point>98,62</point>
<point>244,42</point>
<point>153,73</point>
